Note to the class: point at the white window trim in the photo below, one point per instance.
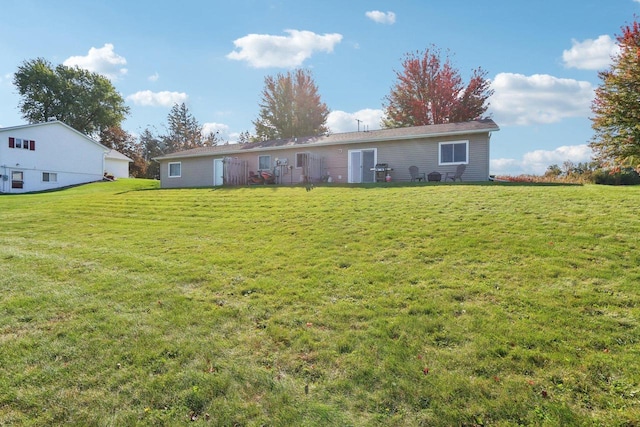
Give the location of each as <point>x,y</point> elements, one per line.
<point>169,170</point>
<point>296,158</point>
<point>264,155</point>
<point>50,181</point>
<point>440,144</point>
<point>361,166</point>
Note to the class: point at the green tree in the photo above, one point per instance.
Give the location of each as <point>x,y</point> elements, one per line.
<point>184,131</point>
<point>86,101</point>
<point>553,170</point>
<point>122,141</point>
<point>151,146</point>
<point>245,137</point>
<point>430,90</point>
<point>616,107</point>
<point>291,107</point>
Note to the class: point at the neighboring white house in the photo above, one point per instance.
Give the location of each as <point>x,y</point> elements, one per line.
<point>117,164</point>
<point>44,156</point>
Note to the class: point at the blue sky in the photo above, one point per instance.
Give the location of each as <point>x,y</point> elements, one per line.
<point>541,56</point>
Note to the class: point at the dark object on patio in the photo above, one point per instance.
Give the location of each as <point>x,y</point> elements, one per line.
<point>255,178</point>
<point>434,176</point>
<point>457,175</point>
<point>382,170</point>
<point>415,174</point>
<point>262,177</point>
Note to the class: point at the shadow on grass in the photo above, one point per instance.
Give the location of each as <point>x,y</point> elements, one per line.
<point>275,187</point>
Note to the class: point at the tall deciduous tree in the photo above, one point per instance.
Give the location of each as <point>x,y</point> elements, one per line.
<point>86,101</point>
<point>616,106</point>
<point>291,107</point>
<point>125,143</point>
<point>429,90</point>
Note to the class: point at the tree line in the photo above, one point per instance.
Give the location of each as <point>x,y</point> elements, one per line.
<point>428,89</point>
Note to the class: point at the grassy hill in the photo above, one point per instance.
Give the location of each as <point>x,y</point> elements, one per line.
<point>123,304</point>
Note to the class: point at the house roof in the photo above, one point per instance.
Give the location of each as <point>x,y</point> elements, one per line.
<point>116,155</point>
<point>54,123</point>
<point>381,135</point>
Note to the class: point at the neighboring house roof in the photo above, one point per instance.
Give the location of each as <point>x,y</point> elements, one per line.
<point>51,123</point>
<point>447,129</point>
<point>116,155</point>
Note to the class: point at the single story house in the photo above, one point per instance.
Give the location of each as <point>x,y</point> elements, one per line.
<point>353,157</point>
<point>49,155</point>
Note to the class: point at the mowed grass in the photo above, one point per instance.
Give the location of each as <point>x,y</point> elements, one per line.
<point>391,305</point>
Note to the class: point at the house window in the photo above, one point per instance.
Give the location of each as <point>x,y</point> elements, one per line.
<point>454,153</point>
<point>175,170</point>
<point>264,162</point>
<point>22,143</point>
<point>17,179</point>
<point>301,159</point>
<point>49,177</point>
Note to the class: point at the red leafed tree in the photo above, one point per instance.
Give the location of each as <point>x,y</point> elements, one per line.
<point>430,90</point>
<point>616,106</point>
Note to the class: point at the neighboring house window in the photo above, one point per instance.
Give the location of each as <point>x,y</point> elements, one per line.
<point>301,158</point>
<point>22,143</point>
<point>49,177</point>
<point>264,162</point>
<point>175,170</point>
<point>17,179</point>
<point>454,153</point>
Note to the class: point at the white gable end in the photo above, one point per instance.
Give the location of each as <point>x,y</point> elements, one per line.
<point>47,155</point>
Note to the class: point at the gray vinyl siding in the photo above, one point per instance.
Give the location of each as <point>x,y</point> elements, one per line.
<point>195,172</point>
<point>398,154</point>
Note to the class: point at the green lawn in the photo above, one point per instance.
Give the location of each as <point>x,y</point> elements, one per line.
<point>389,305</point>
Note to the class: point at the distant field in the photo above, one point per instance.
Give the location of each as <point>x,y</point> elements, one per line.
<point>390,305</point>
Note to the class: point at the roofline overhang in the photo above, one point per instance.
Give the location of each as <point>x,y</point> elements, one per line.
<point>326,144</point>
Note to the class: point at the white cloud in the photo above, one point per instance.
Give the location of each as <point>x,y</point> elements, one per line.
<point>264,50</point>
<point>591,54</point>
<point>154,77</point>
<point>340,121</point>
<point>221,130</point>
<point>381,17</point>
<point>536,162</point>
<point>538,99</point>
<point>100,60</point>
<point>157,99</point>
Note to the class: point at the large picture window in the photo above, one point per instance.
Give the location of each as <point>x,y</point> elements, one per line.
<point>175,170</point>
<point>454,153</point>
<point>264,163</point>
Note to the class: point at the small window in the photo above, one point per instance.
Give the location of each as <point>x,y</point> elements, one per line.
<point>175,170</point>
<point>49,177</point>
<point>264,162</point>
<point>301,159</point>
<point>26,144</point>
<point>454,153</point>
<point>17,179</point>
